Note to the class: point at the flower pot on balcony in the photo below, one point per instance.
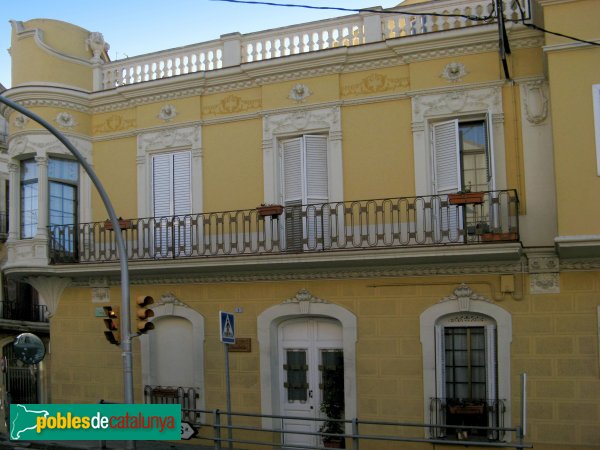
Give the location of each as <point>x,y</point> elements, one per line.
<point>476,408</point>
<point>123,225</point>
<point>334,442</point>
<point>489,237</point>
<point>465,198</point>
<point>270,210</point>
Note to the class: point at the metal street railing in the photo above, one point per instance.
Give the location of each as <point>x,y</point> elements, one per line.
<point>249,430</point>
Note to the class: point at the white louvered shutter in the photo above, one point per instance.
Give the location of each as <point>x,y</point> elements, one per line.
<point>182,182</point>
<point>317,191</point>
<point>446,175</point>
<point>161,185</point>
<point>182,202</point>
<point>172,201</point>
<point>446,157</point>
<point>292,189</point>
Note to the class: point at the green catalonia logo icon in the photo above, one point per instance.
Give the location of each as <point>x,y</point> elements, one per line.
<point>95,422</point>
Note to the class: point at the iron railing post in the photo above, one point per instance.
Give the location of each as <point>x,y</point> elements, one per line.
<point>355,439</point>
<point>217,429</point>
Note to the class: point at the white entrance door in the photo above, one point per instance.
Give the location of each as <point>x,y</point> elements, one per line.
<point>305,346</point>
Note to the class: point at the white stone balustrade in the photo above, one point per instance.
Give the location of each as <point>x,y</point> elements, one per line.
<point>235,48</point>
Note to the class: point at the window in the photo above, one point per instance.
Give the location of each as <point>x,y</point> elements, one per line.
<point>466,366</point>
<point>29,198</point>
<point>304,182</point>
<point>63,177</point>
<point>462,156</point>
<point>462,162</point>
<point>63,180</point>
<point>466,375</point>
<point>172,203</point>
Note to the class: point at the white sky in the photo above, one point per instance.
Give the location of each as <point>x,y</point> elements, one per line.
<point>134,27</point>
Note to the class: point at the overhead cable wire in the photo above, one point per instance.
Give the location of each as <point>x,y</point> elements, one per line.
<point>487,18</point>
<point>555,33</point>
<point>378,11</point>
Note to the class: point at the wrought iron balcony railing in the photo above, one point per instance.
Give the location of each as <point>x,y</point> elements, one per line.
<point>23,311</point>
<point>467,419</point>
<point>187,397</point>
<point>489,217</point>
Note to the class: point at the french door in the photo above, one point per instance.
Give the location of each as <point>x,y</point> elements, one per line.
<point>310,354</point>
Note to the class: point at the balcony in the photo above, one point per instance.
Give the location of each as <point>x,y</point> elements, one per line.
<point>346,31</point>
<point>339,228</point>
<point>23,311</point>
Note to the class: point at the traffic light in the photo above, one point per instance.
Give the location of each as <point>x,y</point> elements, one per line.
<point>144,313</point>
<point>111,321</point>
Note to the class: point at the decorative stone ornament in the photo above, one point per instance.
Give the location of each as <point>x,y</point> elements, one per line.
<point>463,295</point>
<point>96,43</point>
<point>299,93</point>
<point>454,72</point>
<point>167,113</point>
<point>65,120</point>
<point>536,102</point>
<point>20,121</point>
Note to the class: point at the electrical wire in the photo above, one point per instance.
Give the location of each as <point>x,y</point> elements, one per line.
<point>487,18</point>
<point>555,33</point>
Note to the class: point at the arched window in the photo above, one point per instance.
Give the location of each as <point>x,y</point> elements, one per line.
<point>173,357</point>
<point>466,365</point>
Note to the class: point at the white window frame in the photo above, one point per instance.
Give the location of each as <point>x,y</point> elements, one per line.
<point>596,106</point>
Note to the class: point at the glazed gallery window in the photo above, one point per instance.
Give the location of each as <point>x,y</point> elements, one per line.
<point>63,180</point>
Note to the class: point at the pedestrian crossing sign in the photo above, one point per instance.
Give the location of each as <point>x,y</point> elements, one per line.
<point>227,327</point>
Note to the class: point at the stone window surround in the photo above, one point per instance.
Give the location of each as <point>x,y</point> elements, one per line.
<point>172,307</point>
<point>299,122</point>
<point>477,102</point>
<point>168,140</point>
<point>477,305</point>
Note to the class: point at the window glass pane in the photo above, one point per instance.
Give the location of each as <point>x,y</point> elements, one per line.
<point>29,208</point>
<point>63,169</point>
<point>296,368</point>
<point>465,363</point>
<point>474,160</point>
<point>332,382</point>
<point>28,170</point>
<point>62,203</point>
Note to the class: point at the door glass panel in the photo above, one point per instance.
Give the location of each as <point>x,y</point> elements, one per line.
<point>332,383</point>
<point>296,381</point>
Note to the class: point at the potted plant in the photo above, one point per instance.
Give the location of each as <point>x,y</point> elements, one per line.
<point>272,210</point>
<point>332,406</point>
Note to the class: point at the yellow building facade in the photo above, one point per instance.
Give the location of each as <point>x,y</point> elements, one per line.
<point>364,135</point>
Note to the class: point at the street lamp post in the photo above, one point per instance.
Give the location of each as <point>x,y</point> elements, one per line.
<point>125,308</point>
